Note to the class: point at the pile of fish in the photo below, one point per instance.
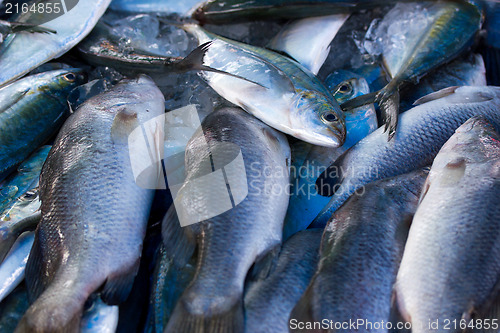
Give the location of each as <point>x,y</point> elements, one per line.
<point>249,166</point>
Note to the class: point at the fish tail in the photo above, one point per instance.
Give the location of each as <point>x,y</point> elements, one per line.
<point>185,321</point>
<point>7,239</point>
<point>388,101</point>
<point>359,101</point>
<point>57,310</point>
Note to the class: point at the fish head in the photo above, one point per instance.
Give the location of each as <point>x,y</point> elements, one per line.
<point>62,81</point>
<point>318,119</point>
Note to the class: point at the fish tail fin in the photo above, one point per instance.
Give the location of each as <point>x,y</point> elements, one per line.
<point>388,101</point>
<point>33,28</point>
<point>8,236</point>
<point>117,288</point>
<point>185,321</point>
<point>58,310</point>
<point>178,243</point>
<point>194,62</point>
<point>359,101</point>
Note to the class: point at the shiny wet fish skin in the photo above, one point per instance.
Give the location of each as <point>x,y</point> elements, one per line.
<point>30,115</point>
<point>450,266</point>
<point>268,302</point>
<point>360,253</point>
<point>272,87</point>
<point>94,214</point>
<point>229,243</point>
<point>422,132</point>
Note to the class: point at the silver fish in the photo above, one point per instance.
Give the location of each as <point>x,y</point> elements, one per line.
<point>240,228</point>
<point>451,262</point>
<point>422,132</point>
<point>94,213</point>
<point>268,302</point>
<point>359,257</point>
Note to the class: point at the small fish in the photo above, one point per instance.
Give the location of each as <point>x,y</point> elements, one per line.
<point>25,179</point>
<point>235,231</point>
<point>94,213</point>
<point>451,30</point>
<point>360,254</point>
<point>268,302</point>
<point>31,111</point>
<point>24,215</point>
<point>99,318</point>
<point>422,131</point>
<point>28,51</point>
<point>305,202</point>
<point>13,267</point>
<point>270,86</point>
<point>451,261</point>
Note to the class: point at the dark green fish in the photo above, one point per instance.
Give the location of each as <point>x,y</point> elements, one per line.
<point>94,213</point>
<point>31,111</point>
<point>451,29</point>
<point>360,254</point>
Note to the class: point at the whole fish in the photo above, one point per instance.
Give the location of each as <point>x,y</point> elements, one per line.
<point>308,40</point>
<point>13,267</point>
<point>305,202</point>
<point>31,111</point>
<point>423,130</point>
<point>451,262</point>
<point>99,318</point>
<point>270,86</point>
<point>464,71</point>
<point>244,226</point>
<point>25,179</point>
<point>94,213</point>
<point>24,215</point>
<point>268,302</point>
<point>28,51</point>
<point>360,254</point>
<point>449,29</point>
<point>226,11</point>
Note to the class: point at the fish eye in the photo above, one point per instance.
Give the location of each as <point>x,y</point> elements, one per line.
<point>329,117</point>
<point>70,77</point>
<point>344,88</point>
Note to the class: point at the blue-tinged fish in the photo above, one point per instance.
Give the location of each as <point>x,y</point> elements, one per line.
<point>305,202</point>
<point>9,29</point>
<point>272,87</point>
<point>360,254</point>
<point>268,302</point>
<point>451,262</point>
<point>99,317</point>
<point>94,208</point>
<point>28,51</point>
<point>24,215</point>
<point>25,179</point>
<point>423,130</point>
<point>233,213</point>
<point>31,111</point>
<point>308,40</point>
<point>449,28</point>
<point>13,267</point>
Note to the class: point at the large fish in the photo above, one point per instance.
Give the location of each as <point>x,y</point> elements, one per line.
<point>25,179</point>
<point>305,202</point>
<point>448,30</point>
<point>241,205</point>
<point>423,130</point>
<point>28,51</point>
<point>94,213</point>
<point>268,302</point>
<point>451,263</point>
<point>272,87</point>
<point>31,111</point>
<point>360,254</point>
